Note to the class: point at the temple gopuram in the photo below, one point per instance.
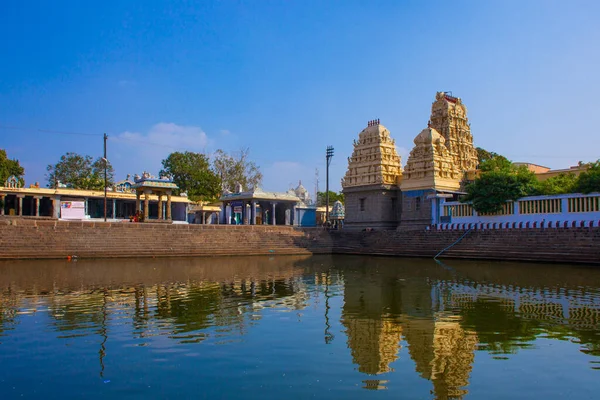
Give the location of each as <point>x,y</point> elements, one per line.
<point>381,195</point>
<point>372,178</point>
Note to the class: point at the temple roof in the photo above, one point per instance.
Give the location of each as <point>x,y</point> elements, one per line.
<point>374,160</point>
<point>258,194</point>
<point>429,136</point>
<point>155,184</point>
<point>151,182</point>
<point>430,165</point>
<point>80,193</point>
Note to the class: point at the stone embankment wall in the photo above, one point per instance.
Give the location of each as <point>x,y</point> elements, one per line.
<point>29,238</point>
<point>568,245</point>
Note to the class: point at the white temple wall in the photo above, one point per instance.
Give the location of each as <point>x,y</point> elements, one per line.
<point>542,210</point>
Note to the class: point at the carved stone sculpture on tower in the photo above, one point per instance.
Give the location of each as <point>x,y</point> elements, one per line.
<point>430,164</point>
<point>449,118</point>
<point>374,160</point>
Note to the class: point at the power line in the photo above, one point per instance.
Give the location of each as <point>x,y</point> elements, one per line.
<point>16,128</point>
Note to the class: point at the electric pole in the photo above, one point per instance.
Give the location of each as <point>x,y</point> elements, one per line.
<point>316,186</point>
<point>328,156</point>
<point>105,175</point>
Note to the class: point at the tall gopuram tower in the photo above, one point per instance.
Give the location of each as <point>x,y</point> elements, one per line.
<point>370,185</point>
<point>449,118</point>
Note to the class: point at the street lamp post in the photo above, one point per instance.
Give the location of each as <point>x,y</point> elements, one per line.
<point>328,156</point>
<point>105,175</point>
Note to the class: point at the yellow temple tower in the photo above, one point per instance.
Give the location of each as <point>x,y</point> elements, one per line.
<point>449,118</point>
<point>370,185</point>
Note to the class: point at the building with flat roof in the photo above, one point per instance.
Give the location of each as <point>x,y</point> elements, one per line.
<point>78,204</point>
<point>257,207</point>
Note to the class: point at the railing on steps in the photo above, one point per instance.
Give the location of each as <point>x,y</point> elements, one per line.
<point>453,244</point>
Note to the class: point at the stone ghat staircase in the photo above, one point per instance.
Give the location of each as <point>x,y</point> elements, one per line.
<point>572,245</point>
<point>28,238</point>
<point>22,238</point>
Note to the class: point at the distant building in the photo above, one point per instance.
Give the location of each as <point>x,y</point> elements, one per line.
<point>257,207</point>
<point>543,173</point>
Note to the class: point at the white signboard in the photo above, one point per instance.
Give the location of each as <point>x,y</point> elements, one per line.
<point>72,210</point>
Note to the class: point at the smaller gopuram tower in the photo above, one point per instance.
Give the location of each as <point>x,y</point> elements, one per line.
<point>370,185</point>
<point>430,169</point>
<point>449,118</point>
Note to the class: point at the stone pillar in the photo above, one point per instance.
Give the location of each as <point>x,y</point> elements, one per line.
<point>273,217</point>
<point>254,213</point>
<point>160,206</point>
<point>146,206</point>
<point>114,209</point>
<point>137,201</point>
<point>20,197</point>
<point>37,206</point>
<point>56,207</point>
<point>564,207</point>
<point>169,206</point>
<point>2,197</point>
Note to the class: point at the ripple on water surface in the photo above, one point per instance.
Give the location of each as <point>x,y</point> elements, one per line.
<point>297,327</point>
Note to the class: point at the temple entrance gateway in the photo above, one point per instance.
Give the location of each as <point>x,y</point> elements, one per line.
<point>147,185</point>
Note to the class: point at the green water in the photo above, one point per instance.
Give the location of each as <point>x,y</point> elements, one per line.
<point>298,327</point>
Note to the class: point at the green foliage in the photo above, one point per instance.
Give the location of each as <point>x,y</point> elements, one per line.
<point>497,164</point>
<point>9,167</point>
<point>589,181</point>
<point>560,184</point>
<point>484,155</point>
<point>80,172</point>
<point>499,182</point>
<point>333,197</point>
<point>233,169</point>
<point>192,173</point>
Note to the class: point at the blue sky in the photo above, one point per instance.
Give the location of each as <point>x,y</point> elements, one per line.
<point>288,78</point>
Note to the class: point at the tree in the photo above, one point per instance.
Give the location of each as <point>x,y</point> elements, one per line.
<point>560,184</point>
<point>234,169</point>
<point>333,197</point>
<point>484,155</point>
<point>499,182</point>
<point>497,164</point>
<point>192,173</point>
<point>589,181</point>
<point>9,167</point>
<point>80,172</point>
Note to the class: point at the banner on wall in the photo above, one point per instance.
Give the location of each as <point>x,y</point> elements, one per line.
<point>72,210</point>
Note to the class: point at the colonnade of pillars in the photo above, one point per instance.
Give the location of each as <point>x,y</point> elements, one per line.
<point>161,207</point>
<point>19,204</point>
<point>249,213</point>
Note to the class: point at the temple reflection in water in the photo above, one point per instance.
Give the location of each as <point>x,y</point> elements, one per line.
<point>438,316</point>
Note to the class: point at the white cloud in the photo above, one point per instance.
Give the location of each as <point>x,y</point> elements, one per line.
<point>135,152</point>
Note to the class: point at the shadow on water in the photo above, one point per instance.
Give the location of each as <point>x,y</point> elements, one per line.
<point>442,312</point>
